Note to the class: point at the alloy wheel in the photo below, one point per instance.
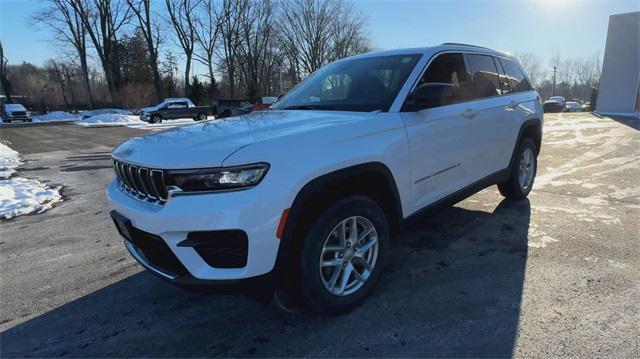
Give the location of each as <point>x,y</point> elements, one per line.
<point>526,168</point>
<point>349,256</point>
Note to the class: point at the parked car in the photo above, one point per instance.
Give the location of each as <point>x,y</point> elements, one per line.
<point>554,104</point>
<point>307,196</point>
<point>174,108</point>
<point>227,108</point>
<point>586,107</point>
<point>14,112</point>
<point>572,106</point>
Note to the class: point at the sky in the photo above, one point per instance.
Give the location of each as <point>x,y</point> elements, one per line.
<point>574,29</point>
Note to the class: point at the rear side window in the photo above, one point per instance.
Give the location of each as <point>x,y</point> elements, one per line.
<point>484,76</point>
<point>517,80</point>
<point>449,69</point>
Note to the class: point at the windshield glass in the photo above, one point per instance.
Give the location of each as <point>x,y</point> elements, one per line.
<point>14,107</point>
<point>365,85</point>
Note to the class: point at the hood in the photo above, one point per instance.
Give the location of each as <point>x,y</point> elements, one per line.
<point>208,144</point>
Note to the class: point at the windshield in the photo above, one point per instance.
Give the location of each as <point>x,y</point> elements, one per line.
<point>365,85</point>
<point>14,107</point>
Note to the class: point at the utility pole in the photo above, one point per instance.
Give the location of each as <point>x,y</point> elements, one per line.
<point>553,86</point>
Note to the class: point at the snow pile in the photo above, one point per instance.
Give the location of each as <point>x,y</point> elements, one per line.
<point>106,111</point>
<point>20,196</point>
<point>9,160</point>
<point>109,120</point>
<point>56,116</point>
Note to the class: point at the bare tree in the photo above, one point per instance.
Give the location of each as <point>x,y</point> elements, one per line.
<point>4,79</point>
<point>256,29</point>
<point>61,16</point>
<point>315,32</point>
<point>348,33</point>
<point>231,39</point>
<point>182,16</point>
<point>151,33</point>
<point>305,31</point>
<point>208,27</point>
<point>103,20</point>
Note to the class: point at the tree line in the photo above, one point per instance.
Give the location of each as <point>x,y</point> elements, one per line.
<point>575,79</point>
<point>127,53</point>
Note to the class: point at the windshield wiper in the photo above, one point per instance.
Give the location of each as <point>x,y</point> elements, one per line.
<point>306,107</point>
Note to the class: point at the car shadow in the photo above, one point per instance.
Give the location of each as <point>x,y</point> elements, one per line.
<point>453,289</point>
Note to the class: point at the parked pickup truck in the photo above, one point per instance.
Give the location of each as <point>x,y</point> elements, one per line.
<point>14,111</point>
<point>174,108</point>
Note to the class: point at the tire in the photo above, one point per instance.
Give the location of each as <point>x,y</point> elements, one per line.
<point>315,280</point>
<point>200,117</point>
<point>155,119</point>
<point>515,187</point>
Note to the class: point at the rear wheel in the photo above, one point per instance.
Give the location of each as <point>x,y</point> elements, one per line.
<point>200,117</point>
<point>344,254</point>
<point>523,171</point>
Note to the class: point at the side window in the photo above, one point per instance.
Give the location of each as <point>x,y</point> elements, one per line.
<point>178,105</point>
<point>517,80</point>
<point>484,76</point>
<point>449,69</point>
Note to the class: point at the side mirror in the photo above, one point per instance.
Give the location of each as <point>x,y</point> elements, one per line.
<point>432,95</point>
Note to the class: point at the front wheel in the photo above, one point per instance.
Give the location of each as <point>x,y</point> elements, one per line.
<point>155,119</point>
<point>523,171</point>
<point>343,255</point>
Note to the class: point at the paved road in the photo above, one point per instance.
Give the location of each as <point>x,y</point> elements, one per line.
<point>557,275</point>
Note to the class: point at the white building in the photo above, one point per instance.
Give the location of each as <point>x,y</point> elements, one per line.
<point>619,92</point>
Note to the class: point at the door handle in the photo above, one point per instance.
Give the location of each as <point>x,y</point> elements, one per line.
<point>469,113</point>
<point>512,105</point>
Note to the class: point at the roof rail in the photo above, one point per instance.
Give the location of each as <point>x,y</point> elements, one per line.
<point>461,44</point>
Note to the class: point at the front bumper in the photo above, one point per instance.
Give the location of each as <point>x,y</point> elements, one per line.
<point>255,212</point>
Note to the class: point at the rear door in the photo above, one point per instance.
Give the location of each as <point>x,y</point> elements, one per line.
<point>177,109</point>
<point>491,116</point>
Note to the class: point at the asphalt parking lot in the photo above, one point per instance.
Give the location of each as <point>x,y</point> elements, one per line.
<point>555,275</point>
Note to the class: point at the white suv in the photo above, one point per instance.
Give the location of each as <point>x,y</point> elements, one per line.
<point>307,196</point>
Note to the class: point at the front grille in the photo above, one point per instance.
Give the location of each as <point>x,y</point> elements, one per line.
<point>156,252</point>
<point>145,183</point>
<point>19,113</point>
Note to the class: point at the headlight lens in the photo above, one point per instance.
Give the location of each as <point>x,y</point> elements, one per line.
<point>218,179</point>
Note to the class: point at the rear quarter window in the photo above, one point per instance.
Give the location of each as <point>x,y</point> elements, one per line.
<point>516,78</point>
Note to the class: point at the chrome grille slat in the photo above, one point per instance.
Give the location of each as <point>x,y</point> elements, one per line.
<point>144,183</point>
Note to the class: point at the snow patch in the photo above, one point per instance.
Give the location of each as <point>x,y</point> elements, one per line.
<point>109,119</point>
<point>9,160</point>
<point>106,111</point>
<point>20,196</point>
<point>56,116</point>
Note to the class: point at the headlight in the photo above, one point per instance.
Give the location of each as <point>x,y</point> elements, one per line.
<point>28,113</point>
<point>217,179</point>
